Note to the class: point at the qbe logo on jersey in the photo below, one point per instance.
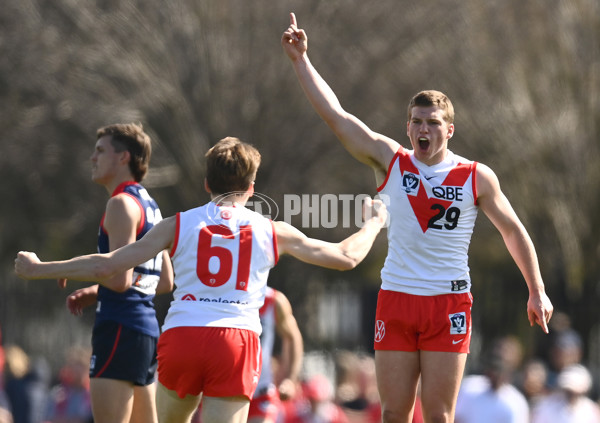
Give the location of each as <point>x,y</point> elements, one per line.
<point>458,323</point>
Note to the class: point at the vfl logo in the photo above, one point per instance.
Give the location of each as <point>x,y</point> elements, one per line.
<point>458,323</point>
<point>410,183</point>
<point>379,330</point>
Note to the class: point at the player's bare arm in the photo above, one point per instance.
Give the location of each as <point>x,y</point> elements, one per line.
<point>344,255</point>
<point>165,283</point>
<point>292,346</point>
<point>87,297</point>
<point>368,147</point>
<point>498,209</point>
<point>121,220</point>
<point>99,267</point>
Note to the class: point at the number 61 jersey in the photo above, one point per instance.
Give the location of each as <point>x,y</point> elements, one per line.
<point>432,213</point>
<point>221,257</point>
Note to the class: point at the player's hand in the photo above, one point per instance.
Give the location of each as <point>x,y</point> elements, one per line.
<point>375,210</point>
<point>25,264</point>
<point>294,40</point>
<point>287,389</point>
<point>81,299</point>
<point>539,310</point>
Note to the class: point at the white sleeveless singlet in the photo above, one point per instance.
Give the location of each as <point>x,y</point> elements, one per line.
<point>432,211</point>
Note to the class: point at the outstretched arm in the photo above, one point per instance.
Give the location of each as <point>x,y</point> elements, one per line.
<point>497,208</point>
<point>343,255</point>
<point>99,267</point>
<point>365,145</point>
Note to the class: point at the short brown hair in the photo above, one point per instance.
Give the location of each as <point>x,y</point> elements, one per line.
<point>231,166</point>
<point>430,98</point>
<point>130,137</point>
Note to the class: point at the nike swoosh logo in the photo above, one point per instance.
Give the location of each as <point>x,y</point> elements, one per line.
<point>430,177</point>
<point>456,342</point>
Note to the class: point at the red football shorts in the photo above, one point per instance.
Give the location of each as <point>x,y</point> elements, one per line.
<point>217,362</point>
<point>405,322</point>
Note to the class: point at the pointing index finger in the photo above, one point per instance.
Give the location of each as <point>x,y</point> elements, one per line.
<point>293,20</point>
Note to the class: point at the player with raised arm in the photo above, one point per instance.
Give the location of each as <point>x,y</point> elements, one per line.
<point>423,317</point>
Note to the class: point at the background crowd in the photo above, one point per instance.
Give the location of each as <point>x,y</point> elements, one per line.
<point>502,384</point>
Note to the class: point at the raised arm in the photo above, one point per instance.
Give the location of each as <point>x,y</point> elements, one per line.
<point>99,267</point>
<point>344,255</point>
<point>365,145</point>
<point>498,209</point>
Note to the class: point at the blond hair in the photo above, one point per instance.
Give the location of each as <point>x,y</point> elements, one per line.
<point>430,98</point>
<point>231,166</point>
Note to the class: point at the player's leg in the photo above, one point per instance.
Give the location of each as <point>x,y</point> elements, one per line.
<point>172,409</point>
<point>444,344</point>
<point>441,375</point>
<point>112,400</point>
<point>225,409</point>
<point>397,382</point>
<point>144,404</point>
<point>113,371</point>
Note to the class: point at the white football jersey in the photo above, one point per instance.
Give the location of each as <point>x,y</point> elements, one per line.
<point>432,211</point>
<point>221,258</point>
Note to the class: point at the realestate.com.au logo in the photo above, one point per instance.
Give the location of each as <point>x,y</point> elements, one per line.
<point>312,210</point>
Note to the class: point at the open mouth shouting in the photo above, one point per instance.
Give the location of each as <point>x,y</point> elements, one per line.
<point>423,144</point>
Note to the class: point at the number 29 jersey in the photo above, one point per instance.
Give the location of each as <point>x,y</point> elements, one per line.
<point>432,213</point>
<point>221,257</point>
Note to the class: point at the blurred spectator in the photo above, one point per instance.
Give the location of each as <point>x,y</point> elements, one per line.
<point>510,349</point>
<point>532,381</point>
<point>356,390</point>
<point>26,384</point>
<point>318,405</point>
<point>69,400</point>
<point>562,347</point>
<point>566,349</point>
<point>569,403</point>
<point>491,397</point>
<point>5,414</point>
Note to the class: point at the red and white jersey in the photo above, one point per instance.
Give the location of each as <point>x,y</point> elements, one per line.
<point>432,211</point>
<point>221,259</point>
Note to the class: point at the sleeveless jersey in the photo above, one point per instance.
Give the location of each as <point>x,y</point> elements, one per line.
<point>267,339</point>
<point>222,257</point>
<point>133,308</point>
<point>432,212</point>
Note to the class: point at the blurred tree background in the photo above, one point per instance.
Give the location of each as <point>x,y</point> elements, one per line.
<point>524,78</point>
